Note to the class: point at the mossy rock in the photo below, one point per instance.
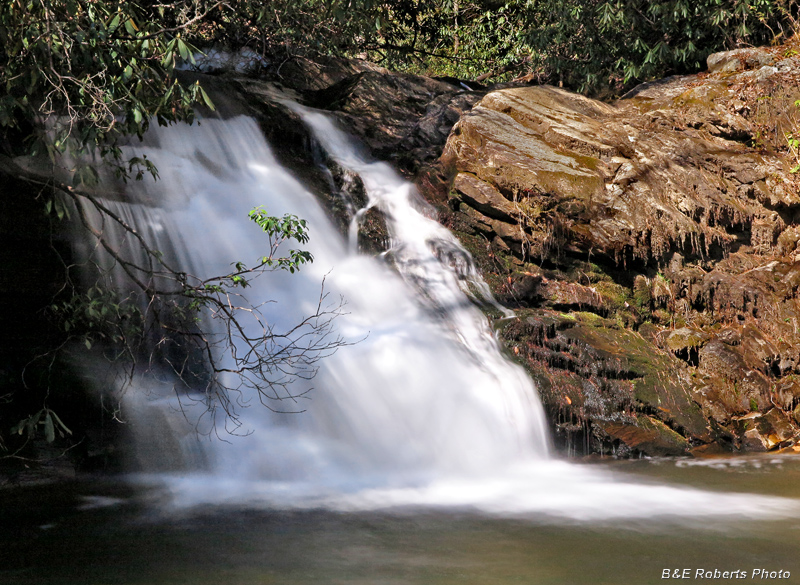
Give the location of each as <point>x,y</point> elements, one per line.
<point>686,338</point>
<point>648,435</point>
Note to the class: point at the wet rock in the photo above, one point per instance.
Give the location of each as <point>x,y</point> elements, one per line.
<point>605,386</point>
<point>708,450</point>
<point>531,289</point>
<point>648,435</point>
<point>373,233</point>
<point>651,244</point>
<point>405,118</point>
<point>483,197</point>
<point>621,193</point>
<point>753,441</point>
<point>788,241</point>
<point>776,427</point>
<point>304,74</point>
<point>763,432</point>
<point>686,343</point>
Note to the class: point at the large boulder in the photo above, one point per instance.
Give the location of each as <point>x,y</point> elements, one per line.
<point>653,245</point>
<point>625,180</point>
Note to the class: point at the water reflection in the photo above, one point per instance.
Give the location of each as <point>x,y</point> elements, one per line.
<point>141,541</point>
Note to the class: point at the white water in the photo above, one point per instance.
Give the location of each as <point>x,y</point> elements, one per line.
<point>424,410</point>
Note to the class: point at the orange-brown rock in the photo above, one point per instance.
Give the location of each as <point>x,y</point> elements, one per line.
<point>651,246</point>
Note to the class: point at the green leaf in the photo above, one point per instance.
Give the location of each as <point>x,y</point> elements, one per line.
<point>31,423</point>
<point>206,99</point>
<point>49,430</point>
<point>182,49</point>
<point>112,26</point>
<point>60,209</point>
<point>131,27</point>
<point>60,423</point>
<point>85,175</point>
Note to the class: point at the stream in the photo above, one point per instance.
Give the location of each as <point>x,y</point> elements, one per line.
<point>103,532</point>
<point>417,454</point>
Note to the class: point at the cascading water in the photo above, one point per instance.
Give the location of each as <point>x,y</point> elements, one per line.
<point>422,409</point>
<point>412,395</point>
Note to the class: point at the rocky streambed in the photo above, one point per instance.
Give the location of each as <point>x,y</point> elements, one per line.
<point>648,246</point>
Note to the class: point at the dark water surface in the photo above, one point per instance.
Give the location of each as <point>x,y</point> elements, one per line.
<point>101,532</point>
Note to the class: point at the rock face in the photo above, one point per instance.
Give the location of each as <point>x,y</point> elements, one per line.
<point>625,182</point>
<point>652,244</point>
<point>649,246</point>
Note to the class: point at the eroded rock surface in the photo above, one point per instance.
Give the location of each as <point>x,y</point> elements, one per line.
<point>670,218</point>
<point>649,246</point>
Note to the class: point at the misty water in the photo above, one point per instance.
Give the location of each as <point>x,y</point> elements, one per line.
<point>418,454</point>
<point>108,533</point>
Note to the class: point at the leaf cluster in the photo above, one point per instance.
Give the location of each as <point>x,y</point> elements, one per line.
<point>288,227</point>
<point>99,314</point>
<point>47,419</point>
<point>80,74</point>
<point>589,45</point>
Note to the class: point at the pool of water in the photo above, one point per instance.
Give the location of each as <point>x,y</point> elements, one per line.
<point>102,532</point>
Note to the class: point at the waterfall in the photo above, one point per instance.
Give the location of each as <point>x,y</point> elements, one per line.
<point>421,409</point>
<point>422,390</point>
